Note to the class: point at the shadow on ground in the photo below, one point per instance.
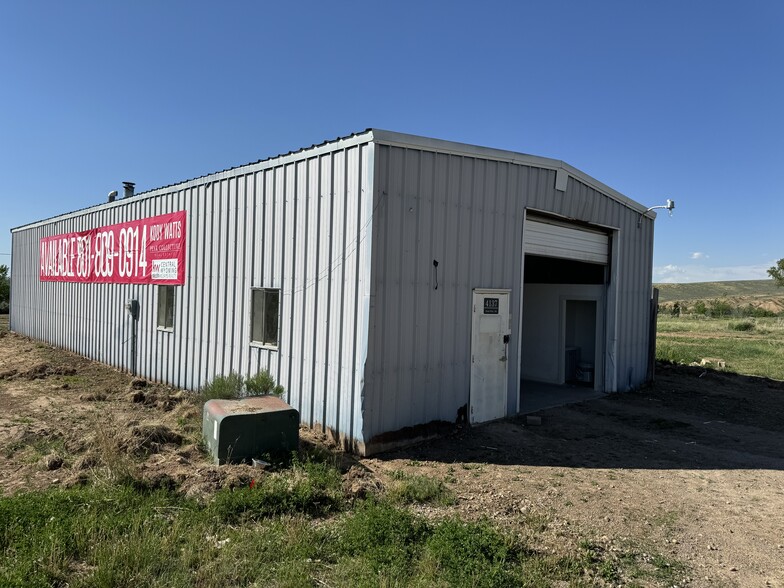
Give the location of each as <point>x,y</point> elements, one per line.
<point>690,418</point>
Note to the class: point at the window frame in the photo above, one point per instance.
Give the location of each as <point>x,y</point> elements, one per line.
<point>168,311</point>
<point>264,342</point>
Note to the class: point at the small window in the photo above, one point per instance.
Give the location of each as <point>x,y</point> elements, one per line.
<point>264,316</point>
<point>165,307</point>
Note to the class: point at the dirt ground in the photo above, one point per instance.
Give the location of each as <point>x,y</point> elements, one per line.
<point>691,468</point>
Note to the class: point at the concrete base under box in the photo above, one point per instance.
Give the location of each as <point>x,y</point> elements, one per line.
<point>239,430</point>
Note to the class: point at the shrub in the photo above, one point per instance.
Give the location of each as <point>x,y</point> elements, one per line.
<point>224,387</point>
<point>720,308</point>
<point>741,326</point>
<point>236,386</point>
<point>261,384</point>
<point>753,311</point>
<point>700,308</point>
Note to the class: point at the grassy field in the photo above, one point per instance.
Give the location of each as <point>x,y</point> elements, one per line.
<point>707,290</point>
<point>293,528</point>
<point>753,346</point>
<point>723,321</point>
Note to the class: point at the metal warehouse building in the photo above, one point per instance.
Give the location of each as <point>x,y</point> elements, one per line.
<point>388,282</point>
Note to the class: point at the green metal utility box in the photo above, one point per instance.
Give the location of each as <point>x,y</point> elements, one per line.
<point>239,430</point>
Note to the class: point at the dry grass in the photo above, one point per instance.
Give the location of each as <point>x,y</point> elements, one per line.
<point>108,461</point>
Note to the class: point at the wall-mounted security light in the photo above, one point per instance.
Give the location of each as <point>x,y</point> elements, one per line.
<point>669,206</point>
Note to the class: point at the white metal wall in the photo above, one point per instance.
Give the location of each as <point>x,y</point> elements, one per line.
<point>300,223</point>
<point>466,211</point>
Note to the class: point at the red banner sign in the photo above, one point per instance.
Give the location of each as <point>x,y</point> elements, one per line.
<point>147,251</point>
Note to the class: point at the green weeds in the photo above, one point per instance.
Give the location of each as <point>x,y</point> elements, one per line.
<point>237,386</point>
<point>409,489</point>
<point>381,545</point>
<point>313,489</point>
<point>630,564</point>
<point>290,529</point>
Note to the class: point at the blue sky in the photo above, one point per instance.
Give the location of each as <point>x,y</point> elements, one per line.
<point>665,99</point>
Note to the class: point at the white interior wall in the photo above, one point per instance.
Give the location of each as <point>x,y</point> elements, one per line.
<point>543,339</point>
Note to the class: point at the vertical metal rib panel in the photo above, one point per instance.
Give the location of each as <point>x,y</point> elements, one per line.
<point>308,282</point>
<point>336,269</point>
<point>288,254</point>
<point>298,312</point>
<point>364,284</point>
<point>351,302</point>
<point>324,235</point>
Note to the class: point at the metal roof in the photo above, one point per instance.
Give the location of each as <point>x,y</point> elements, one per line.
<point>403,140</point>
<point>382,137</point>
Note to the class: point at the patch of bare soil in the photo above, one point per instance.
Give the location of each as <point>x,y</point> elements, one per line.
<point>691,468</point>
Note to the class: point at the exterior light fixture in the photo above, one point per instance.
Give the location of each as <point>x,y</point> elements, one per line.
<point>669,206</point>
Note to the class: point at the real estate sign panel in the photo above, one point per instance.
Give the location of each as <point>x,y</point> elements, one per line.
<point>146,251</point>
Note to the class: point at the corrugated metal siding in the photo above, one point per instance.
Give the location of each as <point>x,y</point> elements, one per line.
<point>463,212</point>
<point>300,223</point>
<point>467,213</point>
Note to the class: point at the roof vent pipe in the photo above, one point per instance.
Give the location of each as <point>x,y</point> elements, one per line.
<point>112,195</point>
<point>128,189</point>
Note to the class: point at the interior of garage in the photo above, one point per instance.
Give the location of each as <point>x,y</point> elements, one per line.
<point>563,332</point>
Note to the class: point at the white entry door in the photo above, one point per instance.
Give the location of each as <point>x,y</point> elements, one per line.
<point>490,330</point>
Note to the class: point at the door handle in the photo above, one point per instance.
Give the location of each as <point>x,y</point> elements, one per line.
<point>506,348</point>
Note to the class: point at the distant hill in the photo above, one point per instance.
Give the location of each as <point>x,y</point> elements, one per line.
<point>710,290</point>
